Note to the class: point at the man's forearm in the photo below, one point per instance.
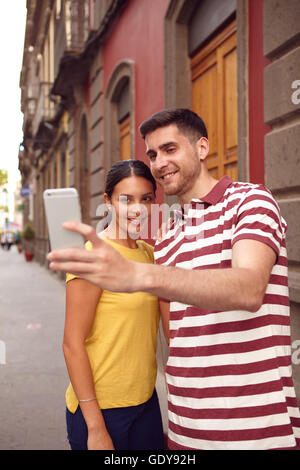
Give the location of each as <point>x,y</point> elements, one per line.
<point>241,287</point>
<point>212,289</point>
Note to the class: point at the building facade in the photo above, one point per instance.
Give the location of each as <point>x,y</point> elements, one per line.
<point>93,70</point>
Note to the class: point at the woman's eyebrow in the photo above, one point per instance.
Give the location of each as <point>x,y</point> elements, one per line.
<point>131,195</point>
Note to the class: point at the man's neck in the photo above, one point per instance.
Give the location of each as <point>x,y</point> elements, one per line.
<point>202,187</point>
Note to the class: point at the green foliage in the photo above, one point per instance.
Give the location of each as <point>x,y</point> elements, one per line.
<point>3,177</point>
<point>28,233</point>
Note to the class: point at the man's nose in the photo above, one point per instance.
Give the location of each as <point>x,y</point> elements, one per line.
<point>161,161</point>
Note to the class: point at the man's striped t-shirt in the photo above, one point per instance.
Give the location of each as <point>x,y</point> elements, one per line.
<point>229,373</point>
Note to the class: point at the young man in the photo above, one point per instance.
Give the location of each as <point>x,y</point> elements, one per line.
<point>223,266</point>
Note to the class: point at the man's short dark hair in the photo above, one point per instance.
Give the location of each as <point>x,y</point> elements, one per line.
<point>188,123</point>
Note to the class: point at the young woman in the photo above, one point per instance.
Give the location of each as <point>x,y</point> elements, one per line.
<point>110,338</point>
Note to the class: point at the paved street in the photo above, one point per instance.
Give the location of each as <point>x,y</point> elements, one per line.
<point>33,378</point>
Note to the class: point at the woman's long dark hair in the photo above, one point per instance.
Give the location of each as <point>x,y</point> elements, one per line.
<point>125,169</point>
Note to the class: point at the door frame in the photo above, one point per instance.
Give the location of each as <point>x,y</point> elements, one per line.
<point>178,84</point>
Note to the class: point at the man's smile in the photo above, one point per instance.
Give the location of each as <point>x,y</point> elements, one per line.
<point>168,176</point>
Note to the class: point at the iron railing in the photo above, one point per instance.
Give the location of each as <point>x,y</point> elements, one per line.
<point>45,108</point>
<point>72,29</point>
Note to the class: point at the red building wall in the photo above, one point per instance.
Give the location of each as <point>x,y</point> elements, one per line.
<point>139,35</point>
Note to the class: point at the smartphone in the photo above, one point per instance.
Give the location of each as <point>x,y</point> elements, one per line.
<point>62,205</point>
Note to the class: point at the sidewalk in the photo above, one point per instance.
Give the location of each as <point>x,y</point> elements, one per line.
<point>33,378</point>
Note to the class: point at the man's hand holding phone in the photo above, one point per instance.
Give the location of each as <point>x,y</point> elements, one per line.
<point>61,205</point>
<point>103,265</point>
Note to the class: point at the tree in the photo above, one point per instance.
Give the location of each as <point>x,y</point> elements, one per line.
<point>3,177</point>
<point>3,182</point>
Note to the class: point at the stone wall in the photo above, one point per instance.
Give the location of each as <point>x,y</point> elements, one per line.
<point>282,144</point>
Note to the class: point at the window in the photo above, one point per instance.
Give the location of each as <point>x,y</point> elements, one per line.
<point>125,138</point>
<point>58,9</point>
<point>119,114</point>
<point>63,170</point>
<point>123,105</point>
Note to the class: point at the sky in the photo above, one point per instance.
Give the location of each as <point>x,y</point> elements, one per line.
<point>12,29</point>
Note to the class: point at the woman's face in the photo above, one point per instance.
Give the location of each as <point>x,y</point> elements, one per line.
<point>131,203</point>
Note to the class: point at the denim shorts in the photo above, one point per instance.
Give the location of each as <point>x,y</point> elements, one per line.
<point>130,428</point>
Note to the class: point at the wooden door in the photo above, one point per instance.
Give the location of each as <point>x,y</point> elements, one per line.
<point>125,152</point>
<point>214,98</point>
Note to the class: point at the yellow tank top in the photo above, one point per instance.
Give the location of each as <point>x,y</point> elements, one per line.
<point>122,342</point>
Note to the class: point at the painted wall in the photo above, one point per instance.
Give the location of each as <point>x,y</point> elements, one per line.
<point>139,35</point>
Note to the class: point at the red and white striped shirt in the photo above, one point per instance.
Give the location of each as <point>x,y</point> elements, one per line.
<point>229,373</point>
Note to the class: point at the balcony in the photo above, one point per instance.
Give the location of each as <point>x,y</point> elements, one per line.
<point>72,30</point>
<point>25,164</point>
<point>45,108</point>
<point>43,129</point>
<point>29,111</point>
<point>77,43</point>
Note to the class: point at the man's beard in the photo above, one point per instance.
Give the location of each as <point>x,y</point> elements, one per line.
<point>185,181</point>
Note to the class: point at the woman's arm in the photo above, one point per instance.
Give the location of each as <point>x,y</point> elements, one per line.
<point>82,298</point>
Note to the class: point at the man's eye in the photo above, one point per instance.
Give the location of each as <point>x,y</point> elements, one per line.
<point>171,149</point>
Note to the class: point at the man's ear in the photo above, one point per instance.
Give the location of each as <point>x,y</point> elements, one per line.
<point>202,145</point>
